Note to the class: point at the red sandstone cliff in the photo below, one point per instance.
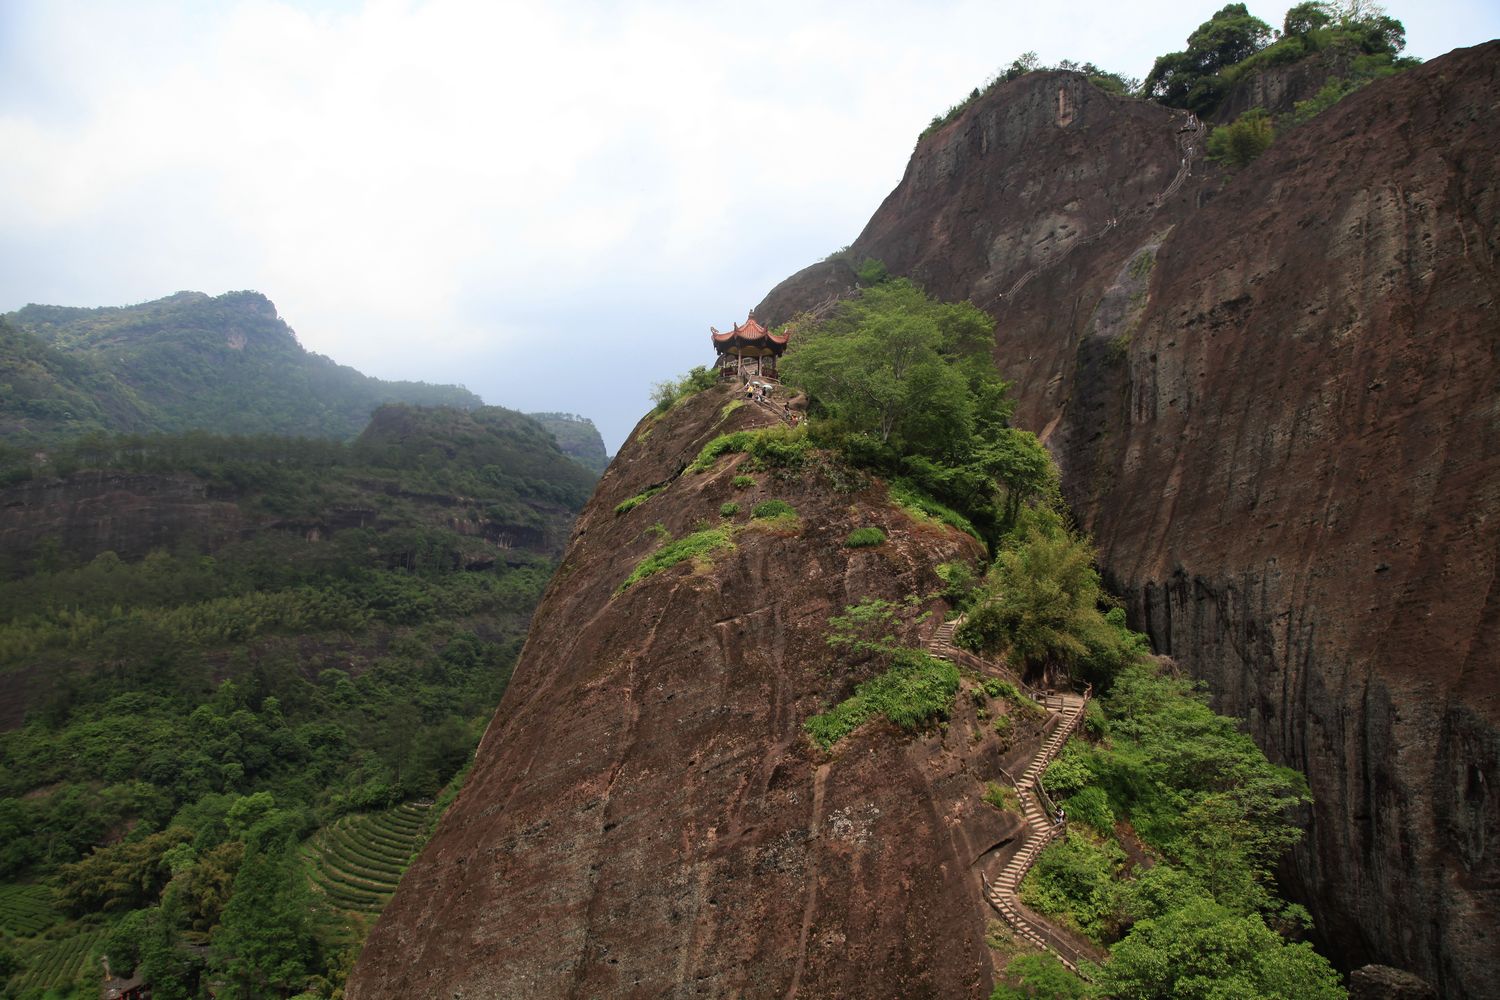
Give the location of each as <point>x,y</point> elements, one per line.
<point>646,818</point>
<point>1276,400</point>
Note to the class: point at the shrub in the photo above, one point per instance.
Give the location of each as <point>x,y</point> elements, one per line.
<point>724,444</point>
<point>1091,807</point>
<point>1076,877</point>
<point>784,447</point>
<point>729,509</point>
<point>872,272</point>
<point>742,482</point>
<point>960,582</point>
<point>868,537</point>
<point>780,447</point>
<point>625,506</point>
<point>915,691</point>
<point>772,508</point>
<point>700,544</point>
<point>1040,975</point>
<point>1241,141</point>
<point>1002,797</point>
<point>671,392</point>
<point>912,500</point>
<point>1072,771</point>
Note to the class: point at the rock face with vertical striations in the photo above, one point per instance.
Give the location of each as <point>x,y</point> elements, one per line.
<point>646,817</point>
<point>1275,396</point>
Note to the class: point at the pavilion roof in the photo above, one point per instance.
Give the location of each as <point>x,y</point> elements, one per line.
<point>749,338</point>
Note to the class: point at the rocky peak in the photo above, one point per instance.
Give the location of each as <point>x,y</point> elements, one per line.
<point>1273,397</point>
<point>645,815</point>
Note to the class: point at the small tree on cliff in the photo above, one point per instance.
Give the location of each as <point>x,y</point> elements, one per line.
<point>905,385</point>
<point>1190,78</point>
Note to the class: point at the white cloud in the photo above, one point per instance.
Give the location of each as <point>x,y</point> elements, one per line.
<point>494,193</point>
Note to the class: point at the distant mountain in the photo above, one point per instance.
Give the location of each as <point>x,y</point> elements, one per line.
<point>577,437</point>
<point>227,364</point>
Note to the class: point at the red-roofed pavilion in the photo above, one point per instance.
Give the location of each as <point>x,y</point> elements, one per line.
<point>749,349</point>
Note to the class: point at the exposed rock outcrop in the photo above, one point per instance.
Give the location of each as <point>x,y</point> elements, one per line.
<point>645,816</point>
<point>1276,401</point>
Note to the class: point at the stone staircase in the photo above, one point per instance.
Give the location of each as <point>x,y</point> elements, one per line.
<point>1041,829</point>
<point>1037,810</point>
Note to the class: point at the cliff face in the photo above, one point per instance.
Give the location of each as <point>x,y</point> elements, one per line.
<point>1274,398</point>
<point>645,817</point>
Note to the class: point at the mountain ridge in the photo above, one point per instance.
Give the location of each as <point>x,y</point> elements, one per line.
<point>1272,399</point>
<point>226,364</point>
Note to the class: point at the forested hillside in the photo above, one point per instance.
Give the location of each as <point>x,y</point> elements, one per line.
<point>211,730</point>
<point>226,364</point>
<point>577,437</point>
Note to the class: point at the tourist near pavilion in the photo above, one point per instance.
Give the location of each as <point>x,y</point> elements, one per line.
<point>748,350</point>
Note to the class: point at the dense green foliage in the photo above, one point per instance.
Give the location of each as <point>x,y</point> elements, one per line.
<point>1190,78</point>
<point>1039,606</point>
<point>768,447</point>
<point>866,537</point>
<point>577,437</point>
<point>1039,977</point>
<point>196,712</point>
<point>673,391</point>
<point>1357,41</point>
<point>904,385</point>
<point>1215,817</point>
<point>226,365</point>
<point>917,690</point>
<point>699,545</point>
<point>1242,140</point>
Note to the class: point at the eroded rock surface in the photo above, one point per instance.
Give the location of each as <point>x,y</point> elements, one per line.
<point>1287,443</point>
<point>645,816</point>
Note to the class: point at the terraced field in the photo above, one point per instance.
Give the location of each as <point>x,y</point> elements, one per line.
<point>62,963</point>
<point>26,909</point>
<point>357,861</point>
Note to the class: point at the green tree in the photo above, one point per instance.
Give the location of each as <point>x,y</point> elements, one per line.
<point>264,945</point>
<point>1040,977</point>
<point>1244,139</point>
<point>1039,605</point>
<point>1189,79</point>
<point>1202,951</point>
<point>906,385</point>
<point>1306,17</point>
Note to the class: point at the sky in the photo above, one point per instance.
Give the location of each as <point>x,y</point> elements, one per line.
<point>548,203</point>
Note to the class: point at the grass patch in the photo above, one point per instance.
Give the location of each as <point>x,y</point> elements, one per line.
<point>698,545</point>
<point>917,690</point>
<point>724,444</point>
<point>625,506</point>
<point>776,515</point>
<point>742,482</point>
<point>998,687</point>
<point>863,538</point>
<point>923,508</point>
<point>772,508</point>
<point>1002,797</point>
<point>729,509</point>
<point>782,447</point>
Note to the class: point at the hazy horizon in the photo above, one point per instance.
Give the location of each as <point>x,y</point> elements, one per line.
<point>547,205</point>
